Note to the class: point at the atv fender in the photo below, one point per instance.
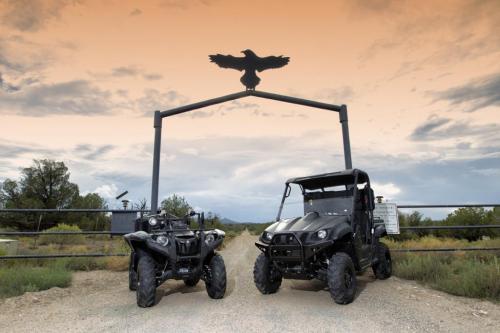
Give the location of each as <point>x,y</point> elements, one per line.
<point>142,241</point>
<point>379,231</point>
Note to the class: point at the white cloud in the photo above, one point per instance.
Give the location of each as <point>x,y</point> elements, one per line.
<point>107,191</point>
<point>388,190</point>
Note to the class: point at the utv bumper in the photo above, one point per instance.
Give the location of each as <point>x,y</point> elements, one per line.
<point>293,252</point>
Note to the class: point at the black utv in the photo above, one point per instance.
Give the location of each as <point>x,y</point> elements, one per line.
<point>335,239</point>
<point>164,247</point>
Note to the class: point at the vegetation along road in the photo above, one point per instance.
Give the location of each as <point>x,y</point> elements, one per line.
<point>100,301</point>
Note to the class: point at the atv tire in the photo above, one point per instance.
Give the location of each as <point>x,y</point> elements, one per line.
<point>341,277</point>
<point>146,286</point>
<point>132,275</point>
<point>383,267</point>
<point>216,281</point>
<point>192,282</point>
<point>266,279</point>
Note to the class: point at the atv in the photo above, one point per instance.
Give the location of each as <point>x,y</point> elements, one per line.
<point>335,239</point>
<point>164,247</point>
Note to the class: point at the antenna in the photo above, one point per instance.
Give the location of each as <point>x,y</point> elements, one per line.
<point>121,195</point>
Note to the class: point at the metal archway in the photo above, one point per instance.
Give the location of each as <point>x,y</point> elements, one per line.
<point>159,115</point>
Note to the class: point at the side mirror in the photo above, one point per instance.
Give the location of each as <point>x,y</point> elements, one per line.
<point>191,212</point>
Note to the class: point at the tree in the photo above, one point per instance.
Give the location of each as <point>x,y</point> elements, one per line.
<point>469,216</point>
<point>176,205</point>
<point>46,185</point>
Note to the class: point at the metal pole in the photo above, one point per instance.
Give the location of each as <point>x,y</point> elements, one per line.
<point>156,162</point>
<point>345,136</point>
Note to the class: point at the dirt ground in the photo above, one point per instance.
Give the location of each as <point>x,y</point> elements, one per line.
<point>100,301</point>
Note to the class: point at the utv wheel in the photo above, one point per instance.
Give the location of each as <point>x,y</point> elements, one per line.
<point>192,282</point>
<point>383,268</point>
<point>267,279</point>
<point>342,278</point>
<point>216,277</point>
<point>146,286</point>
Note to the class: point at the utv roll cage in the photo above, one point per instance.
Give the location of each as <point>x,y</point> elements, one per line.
<point>349,178</point>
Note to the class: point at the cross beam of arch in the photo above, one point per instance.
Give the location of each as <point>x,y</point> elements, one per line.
<point>159,115</point>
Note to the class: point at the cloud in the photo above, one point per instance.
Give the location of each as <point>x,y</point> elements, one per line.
<point>185,4</point>
<point>125,71</point>
<point>152,76</point>
<point>77,97</point>
<point>7,87</point>
<point>475,95</point>
<point>91,152</point>
<point>154,100</point>
<point>340,95</point>
<point>436,128</point>
<point>107,191</point>
<point>32,15</point>
<point>136,12</point>
<point>388,191</point>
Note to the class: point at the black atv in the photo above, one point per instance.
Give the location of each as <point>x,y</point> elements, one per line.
<point>164,247</point>
<point>335,239</point>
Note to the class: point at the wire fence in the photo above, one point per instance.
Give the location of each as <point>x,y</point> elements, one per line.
<point>145,211</point>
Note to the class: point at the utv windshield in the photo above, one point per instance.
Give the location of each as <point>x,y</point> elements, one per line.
<point>324,202</point>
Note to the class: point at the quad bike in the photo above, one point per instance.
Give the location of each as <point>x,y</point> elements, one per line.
<point>164,247</point>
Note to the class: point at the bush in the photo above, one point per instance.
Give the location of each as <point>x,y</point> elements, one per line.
<point>117,263</point>
<point>62,239</point>
<point>472,275</point>
<point>17,280</point>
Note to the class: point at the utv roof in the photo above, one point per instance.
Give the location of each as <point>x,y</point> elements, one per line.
<point>330,179</point>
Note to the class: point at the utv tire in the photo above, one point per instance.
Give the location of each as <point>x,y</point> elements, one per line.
<point>266,279</point>
<point>192,282</point>
<point>146,286</point>
<point>341,277</point>
<point>383,268</point>
<point>216,283</point>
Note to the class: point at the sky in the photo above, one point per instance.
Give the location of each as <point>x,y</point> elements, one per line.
<point>80,80</point>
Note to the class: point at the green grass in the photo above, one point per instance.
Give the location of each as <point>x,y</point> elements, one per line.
<point>469,274</point>
<point>17,280</point>
<point>476,276</point>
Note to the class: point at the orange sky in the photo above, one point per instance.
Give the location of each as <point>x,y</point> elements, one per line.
<point>420,80</point>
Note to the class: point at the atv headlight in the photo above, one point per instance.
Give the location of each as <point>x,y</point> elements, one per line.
<point>209,238</point>
<point>153,221</point>
<point>321,234</point>
<point>267,236</point>
<point>163,240</point>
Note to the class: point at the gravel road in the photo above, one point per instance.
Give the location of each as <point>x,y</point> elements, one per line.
<point>99,301</point>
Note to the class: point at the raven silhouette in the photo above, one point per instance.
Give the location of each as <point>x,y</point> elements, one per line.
<point>249,63</point>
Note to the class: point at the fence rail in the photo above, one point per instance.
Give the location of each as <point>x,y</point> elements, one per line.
<point>109,233</point>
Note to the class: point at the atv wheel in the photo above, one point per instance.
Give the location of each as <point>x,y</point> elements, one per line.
<point>132,279</point>
<point>383,268</point>
<point>215,281</point>
<point>267,279</point>
<point>146,286</point>
<point>341,278</point>
<point>192,282</point>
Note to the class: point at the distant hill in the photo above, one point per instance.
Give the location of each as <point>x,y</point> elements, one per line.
<point>225,220</point>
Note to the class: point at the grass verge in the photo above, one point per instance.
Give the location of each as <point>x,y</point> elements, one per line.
<point>17,280</point>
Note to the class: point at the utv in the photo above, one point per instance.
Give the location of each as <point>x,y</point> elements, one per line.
<point>166,248</point>
<point>335,239</point>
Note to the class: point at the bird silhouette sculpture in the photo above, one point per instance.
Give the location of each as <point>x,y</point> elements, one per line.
<point>249,63</point>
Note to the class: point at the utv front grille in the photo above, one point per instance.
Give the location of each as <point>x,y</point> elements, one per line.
<point>285,247</point>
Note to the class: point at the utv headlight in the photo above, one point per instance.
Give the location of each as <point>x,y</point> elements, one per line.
<point>321,234</point>
<point>153,221</point>
<point>267,236</point>
<point>163,240</point>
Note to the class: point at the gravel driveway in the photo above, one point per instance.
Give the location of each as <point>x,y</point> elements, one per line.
<point>99,301</point>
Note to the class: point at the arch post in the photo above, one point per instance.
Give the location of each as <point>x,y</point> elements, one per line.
<point>156,162</point>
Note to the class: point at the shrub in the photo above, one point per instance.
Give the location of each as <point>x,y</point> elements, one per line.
<point>117,263</point>
<point>470,275</point>
<point>17,280</point>
<point>62,239</point>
